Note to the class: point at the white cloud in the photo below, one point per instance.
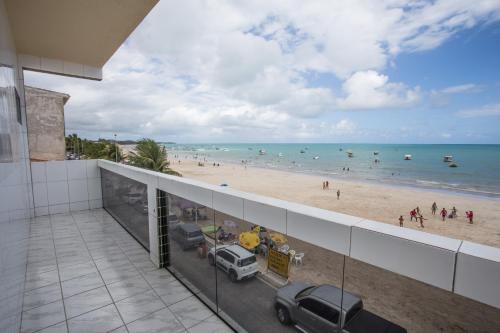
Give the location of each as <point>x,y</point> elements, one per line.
<point>485,111</point>
<point>199,69</point>
<point>460,88</point>
<point>369,89</point>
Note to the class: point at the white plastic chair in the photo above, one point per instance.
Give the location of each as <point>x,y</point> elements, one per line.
<point>298,258</point>
<point>291,253</point>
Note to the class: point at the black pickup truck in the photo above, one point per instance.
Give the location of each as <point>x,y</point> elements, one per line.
<point>317,309</point>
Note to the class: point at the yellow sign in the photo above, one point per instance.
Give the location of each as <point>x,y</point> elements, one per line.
<point>278,262</point>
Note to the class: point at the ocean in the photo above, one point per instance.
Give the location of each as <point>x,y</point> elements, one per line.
<point>477,171</point>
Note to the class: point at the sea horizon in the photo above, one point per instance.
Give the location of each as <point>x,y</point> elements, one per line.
<point>477,172</point>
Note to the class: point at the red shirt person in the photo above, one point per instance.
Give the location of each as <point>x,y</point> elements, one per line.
<point>413,214</point>
<point>470,216</point>
<point>443,213</point>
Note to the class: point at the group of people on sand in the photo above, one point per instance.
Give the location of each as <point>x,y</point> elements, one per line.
<point>414,214</point>
<point>417,215</point>
<point>326,186</point>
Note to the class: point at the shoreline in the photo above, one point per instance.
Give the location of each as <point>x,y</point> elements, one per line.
<point>367,199</point>
<point>379,182</point>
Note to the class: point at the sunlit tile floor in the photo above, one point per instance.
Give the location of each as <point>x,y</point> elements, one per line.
<point>87,274</point>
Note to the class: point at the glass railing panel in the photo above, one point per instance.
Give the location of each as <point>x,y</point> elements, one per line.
<point>127,201</point>
<point>190,225</point>
<point>403,304</point>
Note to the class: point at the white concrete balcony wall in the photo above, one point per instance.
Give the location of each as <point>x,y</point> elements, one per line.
<point>64,186</point>
<point>478,273</point>
<point>468,269</point>
<point>422,256</point>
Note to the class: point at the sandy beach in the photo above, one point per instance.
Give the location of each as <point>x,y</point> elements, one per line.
<point>382,203</point>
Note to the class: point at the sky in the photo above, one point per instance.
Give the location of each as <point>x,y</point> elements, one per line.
<point>298,71</point>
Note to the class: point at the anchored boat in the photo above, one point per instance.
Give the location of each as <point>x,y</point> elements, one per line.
<point>448,158</point>
<point>407,157</point>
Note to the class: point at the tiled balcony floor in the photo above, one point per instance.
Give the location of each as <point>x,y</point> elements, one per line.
<point>85,273</point>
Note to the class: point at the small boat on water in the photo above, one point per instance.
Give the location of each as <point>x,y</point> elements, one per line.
<point>350,153</point>
<point>315,157</point>
<point>262,152</point>
<point>407,157</point>
<point>302,151</point>
<point>448,158</point>
<point>453,165</point>
<point>340,149</point>
<point>280,154</point>
<point>375,153</point>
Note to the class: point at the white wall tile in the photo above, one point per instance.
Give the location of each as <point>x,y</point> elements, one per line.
<point>81,205</point>
<point>52,65</point>
<point>76,169</point>
<point>38,172</point>
<point>59,209</point>
<point>92,72</point>
<point>40,195</point>
<point>41,211</point>
<point>94,204</point>
<point>78,190</point>
<point>58,192</point>
<point>74,69</point>
<point>29,61</point>
<point>56,171</point>
<point>93,171</point>
<point>94,188</point>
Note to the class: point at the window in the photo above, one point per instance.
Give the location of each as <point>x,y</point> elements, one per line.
<point>320,309</point>
<point>304,292</point>
<point>195,233</point>
<point>355,309</point>
<point>226,256</point>
<point>247,261</point>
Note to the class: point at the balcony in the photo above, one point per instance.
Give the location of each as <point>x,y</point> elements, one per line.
<point>89,269</point>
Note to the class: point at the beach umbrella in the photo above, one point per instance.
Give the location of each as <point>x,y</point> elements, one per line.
<point>278,238</point>
<point>249,240</point>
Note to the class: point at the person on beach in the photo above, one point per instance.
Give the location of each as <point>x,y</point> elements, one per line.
<point>421,219</point>
<point>327,185</point>
<point>401,220</point>
<point>470,216</point>
<point>418,210</point>
<point>434,208</point>
<point>443,213</point>
<point>413,214</point>
<point>338,194</point>
<point>454,212</point>
<point>324,185</point>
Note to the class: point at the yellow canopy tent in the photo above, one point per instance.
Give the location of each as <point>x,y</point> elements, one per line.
<point>249,240</point>
<point>278,238</point>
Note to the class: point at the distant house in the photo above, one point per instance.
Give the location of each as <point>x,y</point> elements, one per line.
<point>45,120</point>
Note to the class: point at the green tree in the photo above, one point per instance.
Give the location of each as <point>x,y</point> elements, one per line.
<point>150,155</point>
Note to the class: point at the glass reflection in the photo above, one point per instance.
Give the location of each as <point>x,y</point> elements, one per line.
<point>190,230</point>
<point>127,201</point>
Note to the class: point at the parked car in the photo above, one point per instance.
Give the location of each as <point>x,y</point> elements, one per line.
<point>188,235</point>
<point>173,221</point>
<point>236,261</point>
<point>317,309</point>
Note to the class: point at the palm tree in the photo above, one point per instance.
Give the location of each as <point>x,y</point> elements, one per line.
<point>150,155</point>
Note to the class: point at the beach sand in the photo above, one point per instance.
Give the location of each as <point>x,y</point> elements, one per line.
<point>377,202</point>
